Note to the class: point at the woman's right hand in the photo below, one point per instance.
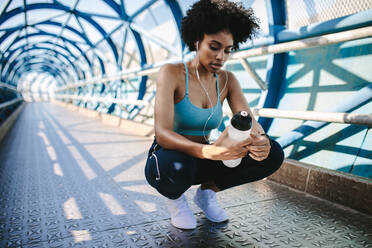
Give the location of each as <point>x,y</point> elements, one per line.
<point>226,148</point>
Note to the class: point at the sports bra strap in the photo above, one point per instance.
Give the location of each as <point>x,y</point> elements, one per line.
<point>218,90</point>
<point>187,79</point>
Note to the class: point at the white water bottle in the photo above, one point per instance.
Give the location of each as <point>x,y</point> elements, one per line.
<point>239,129</point>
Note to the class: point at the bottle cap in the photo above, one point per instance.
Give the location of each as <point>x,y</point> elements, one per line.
<point>242,121</point>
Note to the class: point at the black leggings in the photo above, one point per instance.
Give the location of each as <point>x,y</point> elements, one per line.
<point>172,172</point>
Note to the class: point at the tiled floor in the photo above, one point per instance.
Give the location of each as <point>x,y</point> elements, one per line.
<point>70,181</point>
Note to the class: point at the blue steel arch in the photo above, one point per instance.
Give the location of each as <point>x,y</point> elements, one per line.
<point>12,52</point>
<point>36,48</point>
<point>9,32</point>
<point>45,61</point>
<point>39,56</point>
<point>58,6</point>
<point>177,14</point>
<point>63,38</point>
<point>52,68</point>
<point>44,68</point>
<point>53,44</point>
<point>118,8</point>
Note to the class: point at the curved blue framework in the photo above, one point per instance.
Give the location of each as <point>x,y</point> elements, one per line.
<point>40,33</point>
<point>52,62</point>
<point>119,8</point>
<point>24,56</point>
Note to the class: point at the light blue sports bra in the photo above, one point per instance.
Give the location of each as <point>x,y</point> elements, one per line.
<point>190,119</point>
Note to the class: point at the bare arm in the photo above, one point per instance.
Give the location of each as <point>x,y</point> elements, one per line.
<point>168,77</point>
<point>164,114</point>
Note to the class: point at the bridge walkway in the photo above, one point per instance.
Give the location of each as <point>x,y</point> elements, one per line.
<point>70,181</point>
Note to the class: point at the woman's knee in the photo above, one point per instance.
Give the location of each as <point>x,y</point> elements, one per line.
<point>276,155</point>
<point>170,172</point>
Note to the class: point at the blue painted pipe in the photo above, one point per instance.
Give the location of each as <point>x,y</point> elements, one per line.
<point>360,98</point>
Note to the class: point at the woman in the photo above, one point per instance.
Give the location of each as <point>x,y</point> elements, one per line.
<point>188,106</point>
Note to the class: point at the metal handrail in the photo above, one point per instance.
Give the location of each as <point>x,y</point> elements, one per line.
<point>333,117</point>
<point>8,103</point>
<point>263,50</point>
<point>103,99</point>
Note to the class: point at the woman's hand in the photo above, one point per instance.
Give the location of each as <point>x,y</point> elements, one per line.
<point>260,146</point>
<point>226,148</point>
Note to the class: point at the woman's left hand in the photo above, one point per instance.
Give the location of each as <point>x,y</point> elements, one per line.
<point>260,147</point>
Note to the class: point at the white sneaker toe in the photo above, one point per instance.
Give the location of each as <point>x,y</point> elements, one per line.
<point>207,201</point>
<point>181,215</point>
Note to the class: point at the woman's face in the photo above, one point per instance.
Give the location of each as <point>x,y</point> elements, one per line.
<point>214,50</point>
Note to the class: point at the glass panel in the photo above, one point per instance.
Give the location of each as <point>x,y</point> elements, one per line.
<point>40,15</point>
<point>40,1</point>
<point>14,21</point>
<point>19,43</point>
<point>159,22</point>
<point>69,3</point>
<point>90,31</point>
<point>2,5</point>
<point>40,38</point>
<point>259,8</point>
<point>15,4</point>
<point>32,30</point>
<point>4,45</point>
<point>95,6</point>
<point>185,5</point>
<point>131,58</point>
<point>47,28</point>
<point>61,18</point>
<point>132,6</point>
<point>72,36</point>
<point>84,47</point>
<point>107,24</point>
<point>73,23</point>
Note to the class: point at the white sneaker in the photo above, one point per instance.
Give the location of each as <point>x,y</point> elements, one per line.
<point>181,215</point>
<point>207,201</point>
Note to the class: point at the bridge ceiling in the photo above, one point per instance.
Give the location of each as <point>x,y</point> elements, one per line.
<point>74,40</point>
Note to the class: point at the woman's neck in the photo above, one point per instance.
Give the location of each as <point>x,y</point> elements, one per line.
<point>204,74</point>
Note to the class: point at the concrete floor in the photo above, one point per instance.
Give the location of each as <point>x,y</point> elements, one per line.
<point>70,181</point>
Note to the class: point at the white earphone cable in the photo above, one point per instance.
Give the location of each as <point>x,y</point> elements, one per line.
<point>206,92</point>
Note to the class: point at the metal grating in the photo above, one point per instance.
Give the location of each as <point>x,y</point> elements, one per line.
<point>304,12</point>
<point>70,181</point>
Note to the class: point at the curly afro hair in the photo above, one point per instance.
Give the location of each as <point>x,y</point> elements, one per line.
<point>213,16</point>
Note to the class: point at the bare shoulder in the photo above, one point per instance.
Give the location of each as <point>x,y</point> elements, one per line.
<point>171,69</point>
<point>170,73</point>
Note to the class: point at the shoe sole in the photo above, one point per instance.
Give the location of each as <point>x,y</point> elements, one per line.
<point>183,228</point>
<point>206,215</point>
